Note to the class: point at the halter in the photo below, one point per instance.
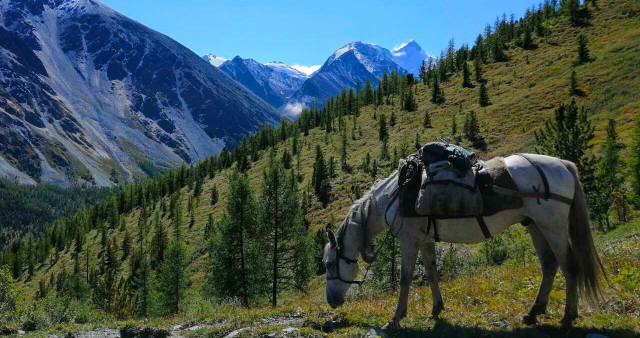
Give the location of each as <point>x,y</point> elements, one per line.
<point>349,261</point>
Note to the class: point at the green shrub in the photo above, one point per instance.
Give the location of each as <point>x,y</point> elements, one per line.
<point>495,250</point>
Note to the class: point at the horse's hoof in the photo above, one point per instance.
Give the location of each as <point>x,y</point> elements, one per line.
<point>434,317</point>
<point>567,321</point>
<point>390,325</point>
<point>529,320</point>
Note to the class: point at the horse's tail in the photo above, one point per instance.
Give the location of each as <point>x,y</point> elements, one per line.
<point>590,270</point>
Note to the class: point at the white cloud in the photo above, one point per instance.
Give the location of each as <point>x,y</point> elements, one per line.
<point>308,70</point>
<point>293,109</point>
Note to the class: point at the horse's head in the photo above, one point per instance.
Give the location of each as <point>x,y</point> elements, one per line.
<point>341,271</point>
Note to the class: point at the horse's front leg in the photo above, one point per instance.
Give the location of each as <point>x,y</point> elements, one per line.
<point>409,255</point>
<point>428,255</point>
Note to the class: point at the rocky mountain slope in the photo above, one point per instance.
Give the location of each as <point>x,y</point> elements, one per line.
<point>274,82</point>
<point>89,96</point>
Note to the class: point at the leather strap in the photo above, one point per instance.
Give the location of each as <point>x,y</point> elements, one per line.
<point>547,192</point>
<point>514,193</point>
<point>483,227</point>
<point>432,220</point>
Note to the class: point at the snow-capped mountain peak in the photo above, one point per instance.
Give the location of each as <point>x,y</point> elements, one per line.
<point>282,67</point>
<point>374,58</point>
<point>307,70</point>
<point>215,60</point>
<point>409,55</point>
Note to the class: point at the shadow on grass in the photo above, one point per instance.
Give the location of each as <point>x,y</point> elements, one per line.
<point>445,329</point>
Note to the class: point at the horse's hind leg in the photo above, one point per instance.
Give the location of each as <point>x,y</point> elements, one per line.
<point>549,266</point>
<point>428,256</point>
<point>557,235</point>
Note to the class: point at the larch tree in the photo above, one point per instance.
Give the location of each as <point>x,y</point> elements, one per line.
<point>426,122</point>
<point>584,55</point>
<point>281,217</point>
<point>172,276</point>
<point>483,95</point>
<point>466,76</point>
<point>609,175</point>
<point>237,268</point>
<point>320,178</point>
<point>635,160</point>
<point>477,65</point>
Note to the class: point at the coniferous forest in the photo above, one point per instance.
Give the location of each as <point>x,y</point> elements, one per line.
<point>235,241</point>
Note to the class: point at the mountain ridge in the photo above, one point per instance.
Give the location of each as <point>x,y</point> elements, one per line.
<point>98,98</point>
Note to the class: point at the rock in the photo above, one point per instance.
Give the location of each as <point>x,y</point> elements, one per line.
<point>131,331</point>
<point>500,323</point>
<point>237,332</point>
<point>376,332</point>
<point>104,333</point>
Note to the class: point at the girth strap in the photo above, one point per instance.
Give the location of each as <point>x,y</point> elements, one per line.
<point>483,227</point>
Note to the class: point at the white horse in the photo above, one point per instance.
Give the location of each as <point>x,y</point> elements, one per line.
<point>557,220</point>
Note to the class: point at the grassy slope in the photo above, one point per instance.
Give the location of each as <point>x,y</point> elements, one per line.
<point>523,96</point>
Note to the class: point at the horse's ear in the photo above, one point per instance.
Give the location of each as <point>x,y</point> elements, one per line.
<point>332,238</point>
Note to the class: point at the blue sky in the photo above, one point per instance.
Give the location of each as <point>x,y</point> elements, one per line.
<point>307,32</point>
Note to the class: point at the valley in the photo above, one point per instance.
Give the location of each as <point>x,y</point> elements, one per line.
<point>487,286</point>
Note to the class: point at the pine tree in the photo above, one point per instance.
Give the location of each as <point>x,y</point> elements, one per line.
<point>172,276</point>
<point>568,137</point>
<point>126,245</point>
<point>197,190</point>
<point>214,195</point>
<point>417,144</point>
<point>483,95</point>
<point>426,123</point>
<point>466,76</point>
<point>374,168</point>
<point>583,51</point>
<point>570,8</point>
<point>280,214</point>
<point>384,149</point>
<point>609,175</point>
<point>573,83</point>
<point>142,285</point>
<point>424,72</point>
<point>237,268</point>
<point>158,243</point>
<point>410,103</point>
<point>382,127</point>
<point>527,41</point>
<point>437,94</point>
<point>478,70</point>
<point>320,178</point>
<point>471,128</point>
<point>635,160</point>
<point>392,119</point>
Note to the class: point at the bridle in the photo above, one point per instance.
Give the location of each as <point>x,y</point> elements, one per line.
<point>348,260</point>
<point>341,256</point>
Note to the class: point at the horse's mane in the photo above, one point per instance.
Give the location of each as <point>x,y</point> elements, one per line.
<point>361,205</point>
